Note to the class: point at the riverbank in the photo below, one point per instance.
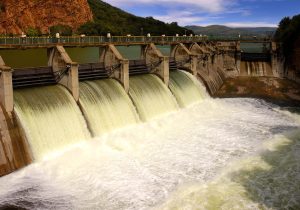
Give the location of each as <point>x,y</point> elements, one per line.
<point>279,91</point>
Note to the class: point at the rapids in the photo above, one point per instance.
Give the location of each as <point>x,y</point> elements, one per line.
<point>212,155</point>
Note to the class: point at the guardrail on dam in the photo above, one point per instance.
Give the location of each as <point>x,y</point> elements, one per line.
<point>77,41</point>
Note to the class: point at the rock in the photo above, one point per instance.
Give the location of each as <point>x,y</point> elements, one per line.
<point>18,16</point>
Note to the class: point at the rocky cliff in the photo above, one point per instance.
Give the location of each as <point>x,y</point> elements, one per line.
<point>20,15</point>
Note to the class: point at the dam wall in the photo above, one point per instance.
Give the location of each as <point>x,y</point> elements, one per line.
<point>84,100</point>
<point>269,63</point>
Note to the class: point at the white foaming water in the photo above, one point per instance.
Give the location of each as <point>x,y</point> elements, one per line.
<point>151,97</point>
<point>50,119</point>
<point>106,106</point>
<point>186,88</point>
<point>149,165</point>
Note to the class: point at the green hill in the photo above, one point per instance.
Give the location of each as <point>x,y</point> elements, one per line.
<point>118,22</point>
<point>219,30</point>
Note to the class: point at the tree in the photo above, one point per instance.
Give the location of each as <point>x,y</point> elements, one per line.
<point>63,30</point>
<point>288,33</point>
<point>33,32</point>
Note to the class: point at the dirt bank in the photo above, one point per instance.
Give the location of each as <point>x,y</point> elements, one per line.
<point>275,90</point>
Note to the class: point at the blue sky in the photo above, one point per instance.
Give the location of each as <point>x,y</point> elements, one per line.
<point>234,13</point>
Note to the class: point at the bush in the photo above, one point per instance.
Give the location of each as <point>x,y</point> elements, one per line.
<point>33,32</point>
<point>63,30</point>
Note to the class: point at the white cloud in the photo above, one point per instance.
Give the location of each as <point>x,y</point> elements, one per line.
<point>194,12</point>
<point>186,18</point>
<point>211,6</point>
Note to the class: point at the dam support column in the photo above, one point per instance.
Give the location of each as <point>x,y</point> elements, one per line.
<point>231,58</point>
<point>116,64</point>
<point>6,87</point>
<point>13,154</point>
<point>65,69</point>
<point>209,65</point>
<point>238,56</point>
<point>277,61</point>
<point>184,58</point>
<point>159,63</point>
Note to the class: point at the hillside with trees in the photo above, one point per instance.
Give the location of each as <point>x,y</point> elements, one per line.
<point>107,18</point>
<point>288,33</point>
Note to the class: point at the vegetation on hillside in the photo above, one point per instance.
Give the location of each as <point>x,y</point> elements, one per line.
<point>63,30</point>
<point>118,22</point>
<point>33,32</point>
<point>287,33</point>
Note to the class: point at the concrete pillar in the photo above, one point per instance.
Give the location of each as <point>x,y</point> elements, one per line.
<point>152,55</point>
<point>119,66</point>
<point>181,53</point>
<point>238,55</point>
<point>277,61</point>
<point>203,56</point>
<point>194,64</point>
<point>6,87</point>
<point>124,74</point>
<point>65,69</point>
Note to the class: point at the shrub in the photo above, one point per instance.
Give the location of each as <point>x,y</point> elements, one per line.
<point>63,30</point>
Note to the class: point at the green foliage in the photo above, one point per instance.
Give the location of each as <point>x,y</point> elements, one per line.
<point>118,22</point>
<point>33,32</point>
<point>287,33</point>
<point>63,30</point>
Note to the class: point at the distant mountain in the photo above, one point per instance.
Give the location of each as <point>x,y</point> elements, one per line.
<point>220,30</point>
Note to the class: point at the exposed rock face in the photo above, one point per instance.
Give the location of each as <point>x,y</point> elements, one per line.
<point>20,15</point>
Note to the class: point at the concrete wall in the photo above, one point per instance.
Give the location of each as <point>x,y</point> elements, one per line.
<point>159,63</point>
<point>256,69</point>
<point>65,69</point>
<point>119,65</point>
<point>211,62</point>
<point>14,153</point>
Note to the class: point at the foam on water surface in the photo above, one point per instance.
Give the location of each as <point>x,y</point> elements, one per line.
<point>180,160</point>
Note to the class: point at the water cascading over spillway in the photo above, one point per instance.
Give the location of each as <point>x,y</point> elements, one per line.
<point>50,119</point>
<point>186,89</point>
<point>150,96</point>
<point>106,106</point>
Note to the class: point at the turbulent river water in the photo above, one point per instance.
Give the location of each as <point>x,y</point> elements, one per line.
<point>215,154</point>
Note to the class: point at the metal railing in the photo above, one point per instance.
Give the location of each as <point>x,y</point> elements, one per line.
<point>98,40</point>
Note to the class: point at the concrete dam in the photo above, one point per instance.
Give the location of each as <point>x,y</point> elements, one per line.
<point>141,132</point>
<point>44,109</point>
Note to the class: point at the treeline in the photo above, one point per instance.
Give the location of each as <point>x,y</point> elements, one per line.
<point>111,19</point>
<point>288,33</point>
